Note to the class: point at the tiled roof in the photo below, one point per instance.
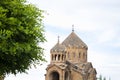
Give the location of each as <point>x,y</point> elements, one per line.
<point>71,40</point>
<point>58,47</point>
<point>74,40</point>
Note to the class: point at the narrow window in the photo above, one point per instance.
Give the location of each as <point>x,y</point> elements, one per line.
<point>55,57</point>
<point>62,57</point>
<point>52,57</point>
<point>68,55</point>
<point>79,55</point>
<point>83,55</point>
<point>74,55</point>
<point>58,57</point>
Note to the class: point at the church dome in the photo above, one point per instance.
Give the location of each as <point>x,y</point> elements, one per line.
<point>74,41</point>
<point>58,47</point>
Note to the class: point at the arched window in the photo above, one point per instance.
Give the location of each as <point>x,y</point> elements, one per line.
<point>58,57</point>
<point>55,57</point>
<point>62,57</point>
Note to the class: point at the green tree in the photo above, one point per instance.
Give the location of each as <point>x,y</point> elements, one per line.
<point>109,78</point>
<point>100,78</point>
<point>21,29</point>
<point>104,78</point>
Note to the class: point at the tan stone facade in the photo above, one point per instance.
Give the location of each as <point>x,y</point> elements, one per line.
<point>69,61</point>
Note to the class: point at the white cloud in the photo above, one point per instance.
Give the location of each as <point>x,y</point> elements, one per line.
<point>106,64</point>
<point>107,35</point>
<point>116,44</point>
<point>82,14</point>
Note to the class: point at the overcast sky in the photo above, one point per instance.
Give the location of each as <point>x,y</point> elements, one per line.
<point>96,22</point>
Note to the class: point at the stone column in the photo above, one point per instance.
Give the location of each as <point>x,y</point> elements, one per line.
<point>51,57</point>
<point>63,75</point>
<point>57,57</point>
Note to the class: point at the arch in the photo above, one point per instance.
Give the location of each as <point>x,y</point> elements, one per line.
<point>54,76</point>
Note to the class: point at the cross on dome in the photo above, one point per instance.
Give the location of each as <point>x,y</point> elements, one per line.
<point>73,28</point>
<point>58,39</point>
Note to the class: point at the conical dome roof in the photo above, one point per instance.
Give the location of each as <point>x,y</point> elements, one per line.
<point>74,40</point>
<point>58,47</point>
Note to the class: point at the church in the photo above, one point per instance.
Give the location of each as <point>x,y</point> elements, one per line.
<point>69,61</point>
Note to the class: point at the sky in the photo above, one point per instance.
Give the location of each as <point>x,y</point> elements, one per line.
<point>96,22</point>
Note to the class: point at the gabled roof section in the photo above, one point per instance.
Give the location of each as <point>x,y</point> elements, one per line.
<point>74,40</point>
<point>61,66</point>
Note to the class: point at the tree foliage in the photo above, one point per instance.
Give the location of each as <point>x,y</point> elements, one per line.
<point>101,78</point>
<point>21,29</point>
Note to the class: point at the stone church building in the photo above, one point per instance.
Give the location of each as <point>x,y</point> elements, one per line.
<point>69,61</point>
